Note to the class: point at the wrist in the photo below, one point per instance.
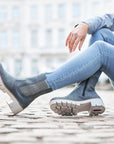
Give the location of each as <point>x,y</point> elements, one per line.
<point>85,25</point>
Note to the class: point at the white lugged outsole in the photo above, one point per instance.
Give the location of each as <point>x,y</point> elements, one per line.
<point>14,105</point>
<point>68,107</point>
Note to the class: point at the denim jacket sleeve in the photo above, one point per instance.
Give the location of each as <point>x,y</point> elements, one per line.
<point>105,21</point>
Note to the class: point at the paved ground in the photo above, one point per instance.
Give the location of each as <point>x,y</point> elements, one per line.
<point>39,125</point>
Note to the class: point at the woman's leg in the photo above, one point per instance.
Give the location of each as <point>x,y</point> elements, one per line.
<point>90,101</point>
<point>99,56</point>
<point>105,35</point>
<point>87,87</point>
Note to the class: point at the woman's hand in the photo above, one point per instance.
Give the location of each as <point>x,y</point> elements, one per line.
<point>77,37</point>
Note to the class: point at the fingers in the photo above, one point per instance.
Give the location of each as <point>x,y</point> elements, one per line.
<point>71,42</point>
<point>77,37</point>
<point>75,44</point>
<point>71,39</point>
<point>67,40</point>
<point>80,44</point>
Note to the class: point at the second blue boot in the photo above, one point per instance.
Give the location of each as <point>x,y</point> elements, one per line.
<point>82,98</point>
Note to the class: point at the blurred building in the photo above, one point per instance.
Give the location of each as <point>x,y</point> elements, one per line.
<point>33,32</point>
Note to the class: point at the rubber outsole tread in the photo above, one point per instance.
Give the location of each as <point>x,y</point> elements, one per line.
<point>71,109</point>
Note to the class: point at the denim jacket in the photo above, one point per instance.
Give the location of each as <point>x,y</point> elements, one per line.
<point>105,21</point>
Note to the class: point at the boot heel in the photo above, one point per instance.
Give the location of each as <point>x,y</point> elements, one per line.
<point>97,107</point>
<point>14,107</point>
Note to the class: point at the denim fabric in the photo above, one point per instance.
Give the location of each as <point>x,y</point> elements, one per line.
<point>86,89</point>
<point>103,34</point>
<point>99,56</point>
<point>106,35</point>
<point>105,21</point>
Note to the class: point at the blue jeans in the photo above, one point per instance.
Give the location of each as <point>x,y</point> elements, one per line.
<point>98,57</point>
<point>105,35</point>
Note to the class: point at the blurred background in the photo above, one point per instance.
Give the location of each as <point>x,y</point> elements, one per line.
<point>33,32</point>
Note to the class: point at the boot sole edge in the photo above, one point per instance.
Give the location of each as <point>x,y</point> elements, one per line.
<point>69,108</point>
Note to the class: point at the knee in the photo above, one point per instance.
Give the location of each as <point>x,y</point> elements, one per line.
<point>101,33</point>
<point>99,43</point>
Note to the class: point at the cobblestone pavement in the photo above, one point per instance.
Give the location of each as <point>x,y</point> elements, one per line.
<point>39,125</point>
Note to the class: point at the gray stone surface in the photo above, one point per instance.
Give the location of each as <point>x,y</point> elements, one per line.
<point>37,124</point>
